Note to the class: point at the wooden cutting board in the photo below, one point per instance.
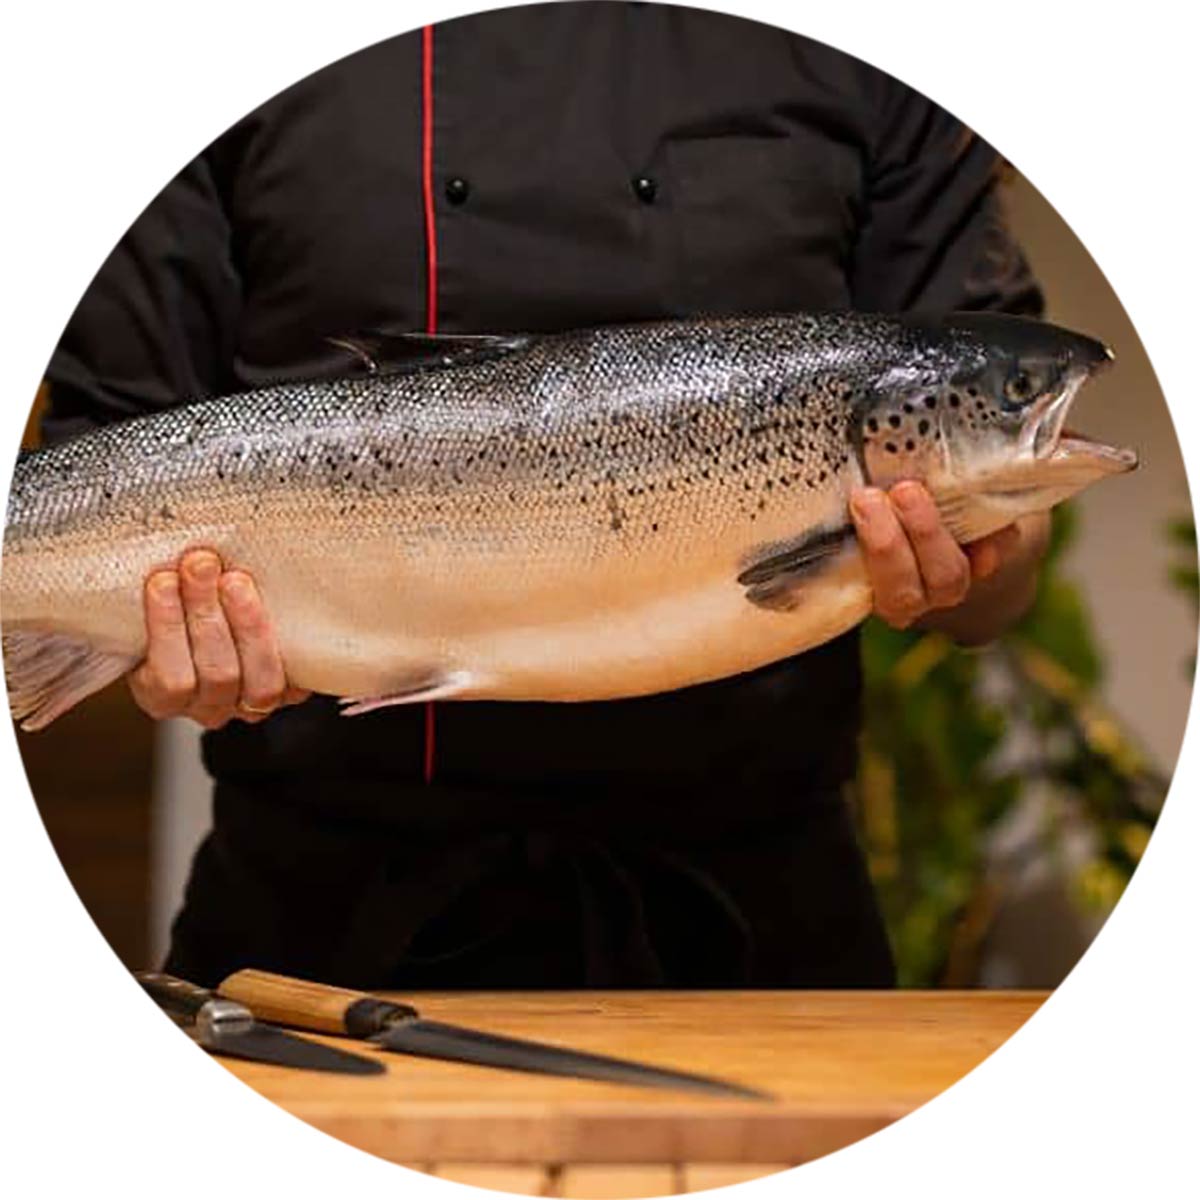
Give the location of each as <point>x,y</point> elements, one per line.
<point>841,1064</point>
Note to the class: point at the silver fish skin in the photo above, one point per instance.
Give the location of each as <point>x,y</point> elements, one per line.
<point>595,514</point>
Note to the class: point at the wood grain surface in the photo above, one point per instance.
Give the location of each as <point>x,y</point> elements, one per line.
<point>601,1181</point>
<point>841,1064</point>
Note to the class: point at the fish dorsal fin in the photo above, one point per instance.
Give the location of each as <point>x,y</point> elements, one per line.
<point>377,353</point>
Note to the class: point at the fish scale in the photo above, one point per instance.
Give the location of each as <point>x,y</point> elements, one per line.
<point>552,517</point>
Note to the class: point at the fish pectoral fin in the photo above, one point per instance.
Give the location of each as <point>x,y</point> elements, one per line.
<point>377,352</point>
<point>435,685</point>
<point>775,575</point>
<point>955,512</point>
<point>48,673</point>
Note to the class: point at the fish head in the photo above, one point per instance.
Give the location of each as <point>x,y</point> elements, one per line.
<point>980,419</point>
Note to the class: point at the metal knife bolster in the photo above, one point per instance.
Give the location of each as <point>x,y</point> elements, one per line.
<point>370,1015</point>
<point>225,1026</point>
<point>203,1013</point>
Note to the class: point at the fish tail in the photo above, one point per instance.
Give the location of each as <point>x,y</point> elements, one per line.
<point>49,673</point>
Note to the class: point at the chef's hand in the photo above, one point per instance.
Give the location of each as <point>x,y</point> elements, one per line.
<point>211,652</point>
<point>920,575</point>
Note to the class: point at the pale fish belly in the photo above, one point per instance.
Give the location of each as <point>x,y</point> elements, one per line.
<point>648,640</point>
<point>666,642</point>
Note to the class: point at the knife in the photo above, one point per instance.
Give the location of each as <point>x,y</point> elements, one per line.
<point>223,1026</point>
<point>401,1028</point>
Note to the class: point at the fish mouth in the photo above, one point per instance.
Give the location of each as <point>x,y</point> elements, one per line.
<point>1049,442</point>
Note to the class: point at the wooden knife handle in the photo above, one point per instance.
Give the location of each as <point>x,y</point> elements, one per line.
<point>307,1005</point>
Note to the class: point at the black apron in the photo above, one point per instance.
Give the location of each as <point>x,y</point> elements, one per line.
<point>659,842</point>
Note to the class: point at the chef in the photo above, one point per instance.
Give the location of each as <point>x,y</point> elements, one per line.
<point>543,168</point>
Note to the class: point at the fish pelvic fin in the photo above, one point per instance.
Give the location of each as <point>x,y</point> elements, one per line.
<point>435,685</point>
<point>775,574</point>
<point>49,673</point>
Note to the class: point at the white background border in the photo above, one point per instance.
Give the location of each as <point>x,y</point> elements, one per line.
<point>104,102</point>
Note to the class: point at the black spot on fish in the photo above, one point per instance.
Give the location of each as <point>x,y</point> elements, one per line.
<point>922,427</point>
<point>894,421</point>
<point>872,424</point>
<point>931,402</point>
<point>910,445</point>
<point>908,408</point>
<point>954,400</point>
<point>890,447</point>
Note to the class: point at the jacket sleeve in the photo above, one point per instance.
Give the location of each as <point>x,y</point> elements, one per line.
<point>934,235</point>
<point>158,323</point>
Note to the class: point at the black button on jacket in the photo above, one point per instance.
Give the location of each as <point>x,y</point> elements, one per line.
<point>531,169</point>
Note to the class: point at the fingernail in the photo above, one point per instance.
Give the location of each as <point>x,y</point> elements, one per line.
<point>237,586</point>
<point>908,496</point>
<point>164,585</point>
<point>203,567</point>
<point>867,503</point>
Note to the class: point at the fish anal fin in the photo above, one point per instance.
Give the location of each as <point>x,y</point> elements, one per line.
<point>377,352</point>
<point>435,685</point>
<point>775,574</point>
<point>48,673</point>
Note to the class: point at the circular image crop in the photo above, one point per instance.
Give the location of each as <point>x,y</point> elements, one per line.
<point>559,600</point>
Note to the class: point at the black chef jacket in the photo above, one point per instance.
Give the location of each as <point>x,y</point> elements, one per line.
<point>531,169</point>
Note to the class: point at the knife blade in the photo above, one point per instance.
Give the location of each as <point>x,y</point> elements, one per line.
<point>401,1028</point>
<point>224,1026</point>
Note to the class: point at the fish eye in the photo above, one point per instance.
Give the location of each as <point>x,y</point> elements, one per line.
<point>1020,387</point>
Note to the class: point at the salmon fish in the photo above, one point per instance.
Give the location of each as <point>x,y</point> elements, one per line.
<point>600,513</point>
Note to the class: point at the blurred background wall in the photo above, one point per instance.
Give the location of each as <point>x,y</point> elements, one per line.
<point>1146,629</point>
<point>125,803</point>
